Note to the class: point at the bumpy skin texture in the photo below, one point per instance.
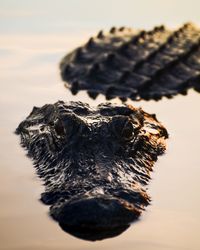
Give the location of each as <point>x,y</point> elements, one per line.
<point>133,64</point>
<point>95,163</point>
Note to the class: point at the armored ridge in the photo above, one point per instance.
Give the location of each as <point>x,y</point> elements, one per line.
<point>133,64</point>
<point>94,162</point>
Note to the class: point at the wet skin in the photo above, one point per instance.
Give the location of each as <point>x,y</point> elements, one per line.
<point>94,162</point>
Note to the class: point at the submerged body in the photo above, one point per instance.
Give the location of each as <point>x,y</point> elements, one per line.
<point>95,163</point>
<point>135,64</point>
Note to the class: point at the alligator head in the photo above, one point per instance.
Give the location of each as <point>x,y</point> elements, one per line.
<point>94,162</point>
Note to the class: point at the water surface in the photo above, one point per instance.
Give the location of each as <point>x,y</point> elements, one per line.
<point>30,77</point>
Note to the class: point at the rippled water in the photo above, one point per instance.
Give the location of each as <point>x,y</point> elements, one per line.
<point>30,76</point>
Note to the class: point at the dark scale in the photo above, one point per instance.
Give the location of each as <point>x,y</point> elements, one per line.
<point>133,64</point>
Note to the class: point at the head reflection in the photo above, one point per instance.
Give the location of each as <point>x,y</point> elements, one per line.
<point>93,234</point>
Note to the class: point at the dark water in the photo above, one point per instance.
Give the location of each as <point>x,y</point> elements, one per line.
<point>30,76</point>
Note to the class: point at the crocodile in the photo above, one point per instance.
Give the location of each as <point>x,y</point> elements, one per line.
<point>136,64</point>
<point>95,163</point>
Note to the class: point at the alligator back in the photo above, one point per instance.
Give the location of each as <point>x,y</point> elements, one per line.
<point>128,63</point>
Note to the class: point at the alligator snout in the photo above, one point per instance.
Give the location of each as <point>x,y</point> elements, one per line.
<point>95,217</point>
<point>95,212</point>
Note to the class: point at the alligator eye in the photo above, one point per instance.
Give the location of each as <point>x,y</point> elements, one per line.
<point>59,128</point>
<point>128,131</point>
<point>123,128</point>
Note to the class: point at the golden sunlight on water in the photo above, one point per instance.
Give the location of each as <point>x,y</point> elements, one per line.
<point>30,77</point>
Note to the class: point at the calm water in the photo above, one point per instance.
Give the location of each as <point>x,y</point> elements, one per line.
<point>33,40</point>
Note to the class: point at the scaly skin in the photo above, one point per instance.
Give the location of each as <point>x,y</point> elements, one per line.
<point>133,64</point>
<point>94,162</point>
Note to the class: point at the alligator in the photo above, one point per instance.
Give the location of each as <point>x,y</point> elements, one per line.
<point>136,64</point>
<point>95,163</point>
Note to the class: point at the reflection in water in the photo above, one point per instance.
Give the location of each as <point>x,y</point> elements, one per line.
<point>93,234</point>
<point>95,163</point>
